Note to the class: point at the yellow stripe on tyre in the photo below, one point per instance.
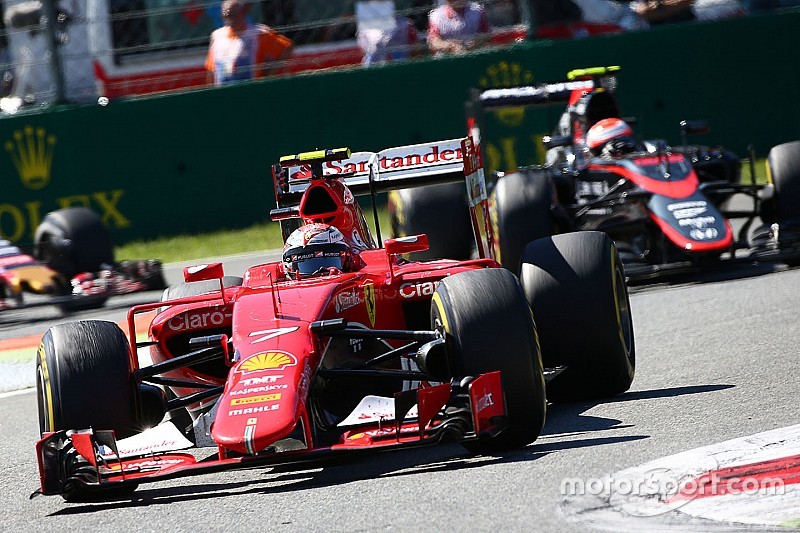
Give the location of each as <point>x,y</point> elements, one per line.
<point>437,301</point>
<point>48,393</point>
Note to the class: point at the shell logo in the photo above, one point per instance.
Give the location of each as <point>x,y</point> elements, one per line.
<point>268,361</point>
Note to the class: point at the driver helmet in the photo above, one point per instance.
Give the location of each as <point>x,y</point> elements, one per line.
<point>315,248</point>
<point>607,132</point>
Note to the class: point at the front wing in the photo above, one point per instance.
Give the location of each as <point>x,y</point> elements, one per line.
<point>77,464</point>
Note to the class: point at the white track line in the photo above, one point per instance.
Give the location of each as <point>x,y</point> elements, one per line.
<point>16,392</point>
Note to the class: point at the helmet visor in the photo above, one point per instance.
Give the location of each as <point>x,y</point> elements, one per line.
<point>309,260</point>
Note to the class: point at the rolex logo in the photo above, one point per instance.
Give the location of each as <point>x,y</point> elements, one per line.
<point>32,154</point>
<point>505,74</point>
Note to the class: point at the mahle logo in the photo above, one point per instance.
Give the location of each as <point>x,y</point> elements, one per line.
<point>32,154</point>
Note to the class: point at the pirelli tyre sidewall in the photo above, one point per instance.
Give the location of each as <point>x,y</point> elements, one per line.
<point>520,211</point>
<point>576,288</point>
<point>84,379</point>
<point>441,212</point>
<point>488,327</point>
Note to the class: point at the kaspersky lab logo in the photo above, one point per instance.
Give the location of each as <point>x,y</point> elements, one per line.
<point>32,153</point>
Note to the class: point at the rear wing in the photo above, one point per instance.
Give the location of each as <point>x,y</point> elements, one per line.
<point>547,93</point>
<point>402,167</point>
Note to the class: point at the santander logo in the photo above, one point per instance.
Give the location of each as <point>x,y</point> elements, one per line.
<point>402,158</point>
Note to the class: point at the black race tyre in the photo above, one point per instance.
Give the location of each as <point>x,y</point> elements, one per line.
<point>84,379</point>
<point>441,212</point>
<point>783,165</point>
<point>488,327</point>
<point>72,241</point>
<point>576,288</point>
<point>521,205</point>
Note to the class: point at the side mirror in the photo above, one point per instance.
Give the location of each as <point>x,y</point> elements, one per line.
<point>694,127</point>
<point>406,245</point>
<point>203,272</point>
<point>556,141</point>
<point>284,213</point>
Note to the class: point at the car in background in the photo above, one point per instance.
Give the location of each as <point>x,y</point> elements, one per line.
<point>71,266</point>
<point>668,208</point>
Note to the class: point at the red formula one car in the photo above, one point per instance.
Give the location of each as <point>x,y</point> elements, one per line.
<point>341,347</point>
<point>71,266</point>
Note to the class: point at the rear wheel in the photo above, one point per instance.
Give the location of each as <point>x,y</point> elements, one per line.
<point>783,165</point>
<point>441,212</point>
<point>488,327</point>
<point>521,213</point>
<point>576,288</point>
<point>72,241</point>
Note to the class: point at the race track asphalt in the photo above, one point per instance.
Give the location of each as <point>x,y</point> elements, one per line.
<point>717,359</point>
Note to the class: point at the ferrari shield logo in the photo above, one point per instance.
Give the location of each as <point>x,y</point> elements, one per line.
<point>369,301</point>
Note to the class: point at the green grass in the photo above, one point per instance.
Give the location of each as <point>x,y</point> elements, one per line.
<point>259,237</point>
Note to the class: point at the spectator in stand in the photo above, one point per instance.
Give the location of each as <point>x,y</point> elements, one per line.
<point>382,34</point>
<point>503,13</point>
<point>611,12</point>
<point>457,26</point>
<point>657,12</point>
<point>242,51</point>
<point>380,46</point>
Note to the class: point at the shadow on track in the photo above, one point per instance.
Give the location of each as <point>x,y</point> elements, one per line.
<point>563,420</point>
<point>717,273</point>
<point>566,418</point>
<point>337,472</point>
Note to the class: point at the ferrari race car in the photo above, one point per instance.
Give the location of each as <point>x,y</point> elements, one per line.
<point>667,208</point>
<point>72,265</point>
<point>341,347</point>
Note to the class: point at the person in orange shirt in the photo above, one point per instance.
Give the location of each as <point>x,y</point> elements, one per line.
<point>243,51</point>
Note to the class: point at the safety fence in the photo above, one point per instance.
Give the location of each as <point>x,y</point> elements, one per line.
<point>201,160</point>
<point>116,48</point>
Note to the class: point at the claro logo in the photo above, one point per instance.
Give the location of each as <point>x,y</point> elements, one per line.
<point>187,321</point>
<point>418,290</point>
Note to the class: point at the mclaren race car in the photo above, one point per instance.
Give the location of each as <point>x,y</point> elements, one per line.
<point>668,208</point>
<point>71,265</point>
<point>341,347</point>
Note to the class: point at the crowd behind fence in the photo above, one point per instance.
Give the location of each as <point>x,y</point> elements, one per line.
<point>101,49</point>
